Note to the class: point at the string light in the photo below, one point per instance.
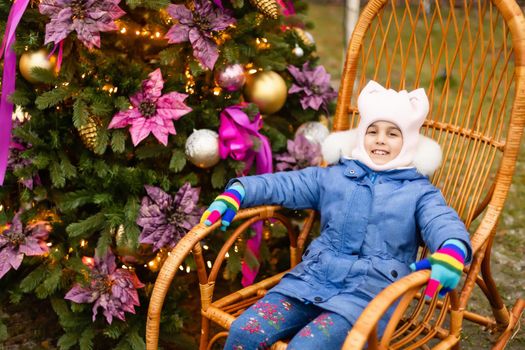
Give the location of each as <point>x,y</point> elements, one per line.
<point>217,91</point>
<point>190,81</point>
<point>227,255</point>
<point>110,89</point>
<point>208,263</point>
<point>262,43</point>
<point>181,268</point>
<point>250,68</point>
<point>83,243</point>
<point>188,269</point>
<point>205,247</point>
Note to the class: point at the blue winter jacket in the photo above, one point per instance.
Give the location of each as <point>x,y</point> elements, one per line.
<point>371,226</point>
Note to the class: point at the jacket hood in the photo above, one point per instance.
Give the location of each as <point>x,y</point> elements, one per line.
<point>427,158</point>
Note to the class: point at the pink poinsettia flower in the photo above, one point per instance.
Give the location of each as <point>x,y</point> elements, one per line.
<point>114,290</point>
<point>152,112</point>
<point>86,17</point>
<point>17,241</point>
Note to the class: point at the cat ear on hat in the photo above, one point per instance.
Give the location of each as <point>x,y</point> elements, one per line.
<point>372,87</point>
<point>419,101</point>
<point>366,101</point>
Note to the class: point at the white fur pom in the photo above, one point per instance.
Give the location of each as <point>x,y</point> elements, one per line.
<point>338,144</point>
<point>428,156</point>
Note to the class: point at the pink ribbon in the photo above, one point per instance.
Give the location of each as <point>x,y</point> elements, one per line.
<point>253,247</point>
<point>8,81</point>
<point>287,7</point>
<point>240,139</point>
<point>60,46</point>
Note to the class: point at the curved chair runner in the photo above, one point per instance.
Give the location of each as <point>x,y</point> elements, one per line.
<point>470,57</point>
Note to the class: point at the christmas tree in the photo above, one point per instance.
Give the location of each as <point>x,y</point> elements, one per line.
<point>121,120</point>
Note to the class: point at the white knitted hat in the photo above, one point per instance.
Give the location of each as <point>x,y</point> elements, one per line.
<point>407,110</point>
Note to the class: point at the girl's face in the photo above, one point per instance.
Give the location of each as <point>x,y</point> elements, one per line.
<point>383,142</point>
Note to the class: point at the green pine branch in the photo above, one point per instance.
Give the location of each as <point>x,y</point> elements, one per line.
<point>86,227</point>
<point>52,97</point>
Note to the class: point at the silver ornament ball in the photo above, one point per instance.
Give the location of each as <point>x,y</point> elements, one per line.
<point>202,148</point>
<point>298,51</point>
<point>314,132</point>
<point>231,78</point>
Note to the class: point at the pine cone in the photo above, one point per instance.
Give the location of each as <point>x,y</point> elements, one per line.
<point>89,132</point>
<point>306,40</point>
<point>269,8</point>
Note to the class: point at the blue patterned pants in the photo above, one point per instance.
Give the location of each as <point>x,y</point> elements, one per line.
<point>276,317</point>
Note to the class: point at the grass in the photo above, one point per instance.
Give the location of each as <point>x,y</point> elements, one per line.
<point>508,263</point>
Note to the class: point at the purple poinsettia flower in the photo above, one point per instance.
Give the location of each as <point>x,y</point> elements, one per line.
<point>166,219</point>
<point>17,241</point>
<point>313,84</point>
<point>301,154</point>
<point>152,112</point>
<point>197,26</point>
<point>112,289</point>
<point>86,17</point>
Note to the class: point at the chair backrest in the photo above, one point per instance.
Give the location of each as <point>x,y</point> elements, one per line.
<point>469,55</point>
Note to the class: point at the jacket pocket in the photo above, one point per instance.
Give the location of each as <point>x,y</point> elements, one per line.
<point>305,269</point>
<point>382,273</point>
<point>389,269</point>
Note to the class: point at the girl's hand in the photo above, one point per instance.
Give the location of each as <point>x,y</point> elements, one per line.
<point>225,205</point>
<point>446,265</point>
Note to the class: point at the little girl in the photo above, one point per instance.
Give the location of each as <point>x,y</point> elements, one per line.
<point>376,208</point>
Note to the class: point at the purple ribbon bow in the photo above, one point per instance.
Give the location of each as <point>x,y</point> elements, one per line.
<point>8,81</point>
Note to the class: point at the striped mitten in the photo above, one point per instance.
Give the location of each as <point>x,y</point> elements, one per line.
<point>446,265</point>
<point>225,206</point>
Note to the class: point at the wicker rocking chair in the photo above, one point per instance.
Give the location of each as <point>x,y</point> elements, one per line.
<point>469,56</point>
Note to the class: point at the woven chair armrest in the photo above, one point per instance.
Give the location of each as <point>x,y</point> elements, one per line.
<point>368,320</point>
<point>176,258</point>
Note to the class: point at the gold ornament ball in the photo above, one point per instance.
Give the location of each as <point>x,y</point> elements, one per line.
<point>35,59</point>
<point>267,90</point>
